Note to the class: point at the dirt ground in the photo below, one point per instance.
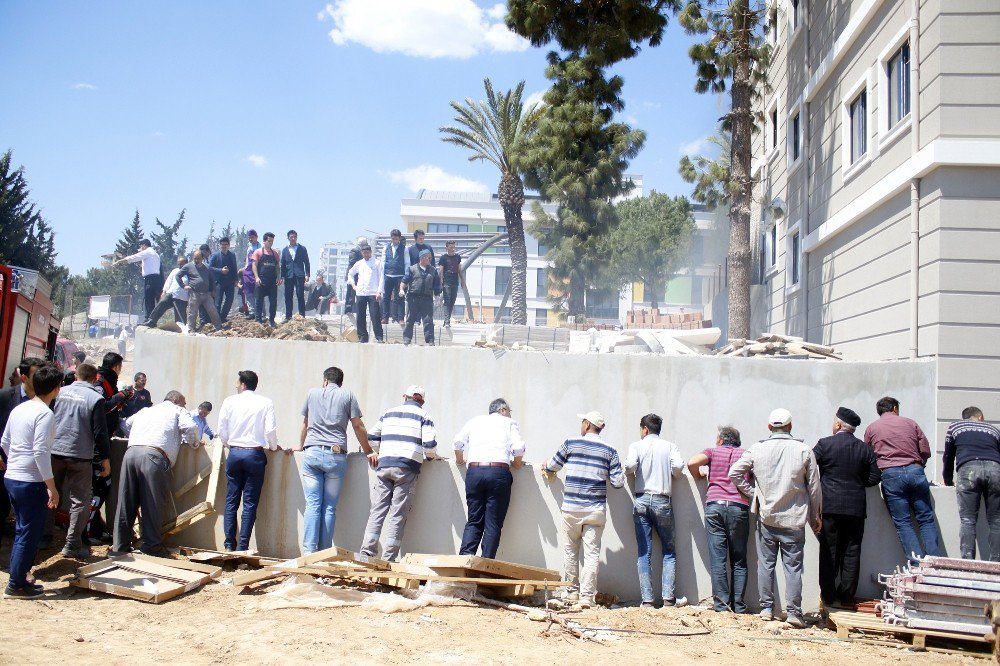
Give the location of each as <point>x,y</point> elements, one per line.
<point>216,624</point>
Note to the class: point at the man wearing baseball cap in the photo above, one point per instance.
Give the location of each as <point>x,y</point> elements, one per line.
<point>403,437</point>
<point>152,279</point>
<point>788,496</point>
<point>847,466</point>
<point>590,464</point>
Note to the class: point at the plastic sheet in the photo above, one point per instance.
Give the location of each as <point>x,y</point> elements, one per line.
<point>304,592</point>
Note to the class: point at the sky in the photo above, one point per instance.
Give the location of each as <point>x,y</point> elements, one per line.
<point>277,115</point>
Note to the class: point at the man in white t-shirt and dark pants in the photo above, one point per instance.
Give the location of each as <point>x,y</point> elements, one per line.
<point>152,279</point>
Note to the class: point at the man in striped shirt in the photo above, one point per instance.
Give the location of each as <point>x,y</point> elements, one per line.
<point>403,437</point>
<point>590,464</point>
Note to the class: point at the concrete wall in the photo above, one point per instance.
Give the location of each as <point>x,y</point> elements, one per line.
<point>546,391</point>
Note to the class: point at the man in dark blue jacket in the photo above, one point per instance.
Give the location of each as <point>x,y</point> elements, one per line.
<point>295,272</point>
<point>847,466</point>
<point>223,267</point>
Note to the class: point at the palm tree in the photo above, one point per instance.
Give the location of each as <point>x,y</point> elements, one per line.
<point>497,131</point>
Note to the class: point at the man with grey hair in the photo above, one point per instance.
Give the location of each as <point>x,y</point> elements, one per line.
<point>155,435</point>
<point>847,466</point>
<point>788,493</point>
<point>727,520</point>
<point>492,445</point>
<point>200,286</point>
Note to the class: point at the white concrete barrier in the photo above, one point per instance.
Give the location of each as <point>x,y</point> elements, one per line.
<point>546,391</point>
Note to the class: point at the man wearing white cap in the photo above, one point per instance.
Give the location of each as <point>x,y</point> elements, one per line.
<point>404,437</point>
<point>590,464</point>
<point>789,495</point>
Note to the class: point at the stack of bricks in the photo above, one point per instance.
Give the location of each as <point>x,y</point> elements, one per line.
<point>655,319</point>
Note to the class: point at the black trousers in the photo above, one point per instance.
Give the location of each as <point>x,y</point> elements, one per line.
<point>450,294</point>
<point>269,292</point>
<point>487,496</point>
<point>366,305</point>
<point>840,557</point>
<point>298,285</point>
<point>394,306</point>
<point>167,302</point>
<point>422,308</point>
<point>224,296</point>
<point>152,285</point>
<point>349,297</point>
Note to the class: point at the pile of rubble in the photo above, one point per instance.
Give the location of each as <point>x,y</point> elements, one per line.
<point>942,593</point>
<point>297,328</point>
<point>775,344</point>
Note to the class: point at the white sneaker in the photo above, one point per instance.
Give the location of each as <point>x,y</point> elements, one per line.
<point>795,621</point>
<point>766,614</point>
<point>586,602</point>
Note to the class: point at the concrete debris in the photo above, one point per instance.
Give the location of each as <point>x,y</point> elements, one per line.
<point>670,342</point>
<point>778,345</point>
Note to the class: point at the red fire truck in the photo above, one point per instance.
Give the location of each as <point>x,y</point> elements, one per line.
<point>27,327</point>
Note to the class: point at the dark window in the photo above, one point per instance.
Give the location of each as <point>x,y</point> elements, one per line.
<point>762,258</point>
<point>796,136</point>
<point>773,249</point>
<point>796,256</point>
<point>898,71</point>
<point>542,250</point>
<point>795,14</point>
<point>504,315</point>
<point>541,284</point>
<point>602,303</point>
<point>859,126</point>
<point>774,128</point>
<point>502,278</point>
<point>541,317</point>
<point>441,228</point>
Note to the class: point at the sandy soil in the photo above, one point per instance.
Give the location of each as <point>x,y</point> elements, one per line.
<point>216,624</point>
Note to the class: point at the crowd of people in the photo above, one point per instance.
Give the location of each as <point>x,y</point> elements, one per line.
<point>57,441</point>
<point>401,286</point>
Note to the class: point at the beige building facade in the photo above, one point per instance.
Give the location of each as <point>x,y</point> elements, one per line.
<point>881,145</point>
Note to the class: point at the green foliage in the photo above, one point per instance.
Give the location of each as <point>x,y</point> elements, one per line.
<point>650,241</point>
<point>710,175</point>
<point>579,155</point>
<point>165,241</point>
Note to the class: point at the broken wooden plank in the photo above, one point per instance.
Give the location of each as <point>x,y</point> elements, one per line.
<point>188,518</point>
<point>203,474</point>
<point>483,565</point>
<point>216,474</point>
<point>339,555</point>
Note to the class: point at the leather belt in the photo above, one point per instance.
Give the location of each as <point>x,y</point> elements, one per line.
<point>489,464</point>
<point>331,449</point>
<point>728,503</point>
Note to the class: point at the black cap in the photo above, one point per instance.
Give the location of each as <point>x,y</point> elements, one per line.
<point>848,416</point>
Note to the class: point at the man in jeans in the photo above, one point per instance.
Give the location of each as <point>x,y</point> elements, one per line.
<point>247,427</point>
<point>493,445</point>
<point>325,416</point>
<point>451,278</point>
<point>727,520</point>
<point>789,495</point>
<point>81,431</point>
<point>396,261</point>
<point>847,467</point>
<point>902,450</point>
<point>973,447</point>
<point>265,263</point>
<point>654,462</point>
<point>590,465</point>
<point>405,437</point>
<point>223,265</point>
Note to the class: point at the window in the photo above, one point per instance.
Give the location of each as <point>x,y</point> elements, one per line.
<point>541,317</point>
<point>796,17</point>
<point>774,127</point>
<point>501,229</point>
<point>762,259</point>
<point>541,284</point>
<point>898,75</point>
<point>440,228</point>
<point>796,137</point>
<point>542,250</point>
<point>501,279</point>
<point>796,247</point>
<point>858,114</point>
<point>773,244</point>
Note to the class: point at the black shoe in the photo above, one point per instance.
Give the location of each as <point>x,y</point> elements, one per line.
<point>26,592</point>
<point>156,552</point>
<point>148,324</point>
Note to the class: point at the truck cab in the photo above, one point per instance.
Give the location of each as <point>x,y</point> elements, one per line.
<point>27,326</point>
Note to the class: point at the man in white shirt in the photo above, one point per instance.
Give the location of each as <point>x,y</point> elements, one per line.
<point>155,435</point>
<point>152,279</point>
<point>174,295</point>
<point>492,445</point>
<point>654,462</point>
<point>246,427</point>
<point>368,272</point>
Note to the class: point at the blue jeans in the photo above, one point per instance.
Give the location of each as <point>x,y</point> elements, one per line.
<point>487,494</point>
<point>905,489</point>
<point>654,512</point>
<point>29,500</point>
<point>244,478</point>
<point>322,479</point>
<point>727,527</point>
<point>977,481</point>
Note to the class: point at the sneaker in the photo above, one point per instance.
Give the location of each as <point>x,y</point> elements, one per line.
<point>568,595</point>
<point>119,553</point>
<point>81,553</point>
<point>647,604</point>
<point>795,621</point>
<point>766,614</point>
<point>26,592</point>
<point>668,603</point>
<point>586,602</point>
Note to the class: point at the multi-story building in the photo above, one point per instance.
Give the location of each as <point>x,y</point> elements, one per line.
<point>882,144</point>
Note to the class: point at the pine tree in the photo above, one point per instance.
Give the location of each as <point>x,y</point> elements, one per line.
<point>165,240</point>
<point>127,279</point>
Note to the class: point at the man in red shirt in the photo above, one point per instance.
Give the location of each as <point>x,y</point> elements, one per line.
<point>902,450</point>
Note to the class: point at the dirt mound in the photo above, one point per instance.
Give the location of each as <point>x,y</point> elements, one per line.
<point>297,328</point>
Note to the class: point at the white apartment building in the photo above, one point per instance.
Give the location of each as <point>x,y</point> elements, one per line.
<point>882,143</point>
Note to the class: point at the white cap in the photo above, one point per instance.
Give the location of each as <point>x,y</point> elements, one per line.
<point>415,389</point>
<point>780,417</point>
<point>594,417</point>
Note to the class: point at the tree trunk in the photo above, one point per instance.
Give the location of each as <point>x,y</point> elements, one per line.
<point>511,195</point>
<point>738,259</point>
<point>654,294</point>
<point>577,287</point>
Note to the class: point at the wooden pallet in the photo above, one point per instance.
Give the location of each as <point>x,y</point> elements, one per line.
<point>868,627</point>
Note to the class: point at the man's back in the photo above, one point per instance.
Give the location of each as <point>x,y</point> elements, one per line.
<point>847,466</point>
<point>897,441</point>
<point>969,440</point>
<point>75,417</point>
<point>655,461</point>
<point>247,419</point>
<point>786,477</point>
<point>329,410</point>
<point>589,465</point>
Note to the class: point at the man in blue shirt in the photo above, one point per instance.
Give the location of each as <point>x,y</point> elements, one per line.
<point>223,266</point>
<point>200,417</point>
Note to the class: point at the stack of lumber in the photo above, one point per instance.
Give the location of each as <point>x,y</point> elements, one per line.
<point>501,579</point>
<point>778,345</point>
<point>656,319</point>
